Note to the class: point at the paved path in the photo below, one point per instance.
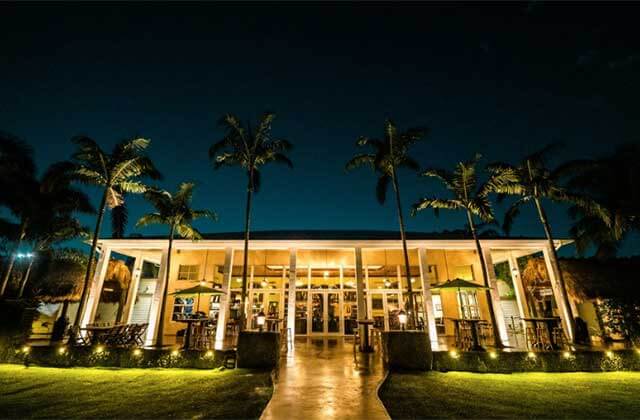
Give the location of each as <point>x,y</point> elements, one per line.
<point>321,380</point>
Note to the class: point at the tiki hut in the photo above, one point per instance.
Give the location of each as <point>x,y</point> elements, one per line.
<point>589,278</point>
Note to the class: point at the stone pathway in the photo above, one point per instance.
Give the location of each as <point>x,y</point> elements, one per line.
<point>320,379</point>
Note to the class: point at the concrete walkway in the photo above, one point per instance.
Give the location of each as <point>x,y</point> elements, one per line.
<point>320,379</point>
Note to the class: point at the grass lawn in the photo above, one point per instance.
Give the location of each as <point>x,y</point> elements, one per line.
<point>519,395</point>
<point>131,393</point>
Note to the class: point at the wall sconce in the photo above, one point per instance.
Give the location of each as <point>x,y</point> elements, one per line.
<point>260,320</point>
<point>402,317</point>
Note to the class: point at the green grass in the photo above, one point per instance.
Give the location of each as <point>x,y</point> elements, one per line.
<point>131,393</point>
<point>519,395</point>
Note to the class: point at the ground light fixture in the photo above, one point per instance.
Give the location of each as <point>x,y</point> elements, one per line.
<point>175,353</point>
<point>260,320</point>
<point>566,354</point>
<point>62,350</point>
<point>99,349</point>
<point>402,318</point>
<point>453,354</point>
<point>137,352</point>
<point>493,355</point>
<point>609,354</point>
<point>209,353</point>
<point>531,355</point>
<point>26,349</point>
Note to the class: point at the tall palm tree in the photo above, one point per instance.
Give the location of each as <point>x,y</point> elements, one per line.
<point>533,181</point>
<point>174,211</point>
<point>42,202</point>
<point>387,155</point>
<point>473,199</point>
<point>116,173</point>
<point>250,149</point>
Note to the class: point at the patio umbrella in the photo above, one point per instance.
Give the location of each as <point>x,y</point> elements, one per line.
<point>198,290</point>
<point>459,284</point>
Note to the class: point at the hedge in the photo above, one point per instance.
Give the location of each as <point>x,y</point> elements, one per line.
<point>561,361</point>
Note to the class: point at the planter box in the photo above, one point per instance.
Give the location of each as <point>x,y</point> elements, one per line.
<point>259,350</point>
<point>406,350</point>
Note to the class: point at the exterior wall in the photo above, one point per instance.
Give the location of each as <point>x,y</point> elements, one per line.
<point>214,259</point>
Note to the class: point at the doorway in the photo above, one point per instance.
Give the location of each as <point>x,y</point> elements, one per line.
<point>325,315</point>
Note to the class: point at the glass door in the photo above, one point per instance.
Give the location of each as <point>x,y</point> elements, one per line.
<point>333,312</point>
<point>317,313</point>
<point>326,313</point>
<point>301,312</point>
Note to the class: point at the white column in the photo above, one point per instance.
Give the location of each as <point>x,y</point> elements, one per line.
<point>96,287</point>
<point>156,301</point>
<point>221,328</point>
<point>495,297</point>
<point>558,295</point>
<point>362,307</point>
<point>427,300</point>
<point>291,310</point>
<point>133,289</point>
<point>521,297</point>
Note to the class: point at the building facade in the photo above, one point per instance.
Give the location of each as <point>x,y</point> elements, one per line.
<point>320,283</point>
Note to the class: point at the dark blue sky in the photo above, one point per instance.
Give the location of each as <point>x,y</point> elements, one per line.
<point>500,80</point>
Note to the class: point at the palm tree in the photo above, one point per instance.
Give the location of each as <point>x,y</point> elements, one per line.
<point>250,150</point>
<point>17,169</point>
<point>55,230</point>
<point>474,200</point>
<point>41,204</point>
<point>386,157</point>
<point>533,181</point>
<point>175,212</point>
<point>611,181</point>
<point>116,173</point>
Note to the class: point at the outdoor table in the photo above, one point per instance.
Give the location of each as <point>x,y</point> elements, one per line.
<point>475,344</point>
<point>187,335</point>
<point>549,323</point>
<point>365,347</point>
<point>95,332</point>
<point>273,323</point>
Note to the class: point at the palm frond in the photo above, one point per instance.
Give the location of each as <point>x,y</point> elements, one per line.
<point>360,160</point>
<point>151,219</point>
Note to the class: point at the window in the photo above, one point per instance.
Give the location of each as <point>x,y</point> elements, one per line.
<point>188,272</point>
<point>468,305</point>
<point>437,308</point>
<point>432,273</point>
<point>464,272</point>
<point>182,307</point>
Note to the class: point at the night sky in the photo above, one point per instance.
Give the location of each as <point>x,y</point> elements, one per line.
<point>502,80</point>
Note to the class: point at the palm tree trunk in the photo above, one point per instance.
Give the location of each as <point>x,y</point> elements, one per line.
<point>165,292</point>
<point>487,284</point>
<point>92,253</point>
<point>556,264</point>
<point>26,277</point>
<point>411,301</point>
<point>245,257</point>
<point>12,257</point>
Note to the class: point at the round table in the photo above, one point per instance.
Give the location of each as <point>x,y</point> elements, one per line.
<point>187,335</point>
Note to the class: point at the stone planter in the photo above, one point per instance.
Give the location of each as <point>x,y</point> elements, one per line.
<point>406,350</point>
<point>258,350</point>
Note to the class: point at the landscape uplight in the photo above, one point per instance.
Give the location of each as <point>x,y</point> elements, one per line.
<point>453,354</point>
<point>493,354</point>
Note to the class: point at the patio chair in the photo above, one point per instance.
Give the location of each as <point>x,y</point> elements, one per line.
<point>139,334</point>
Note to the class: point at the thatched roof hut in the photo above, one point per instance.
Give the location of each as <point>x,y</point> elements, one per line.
<point>589,278</point>
<point>64,279</point>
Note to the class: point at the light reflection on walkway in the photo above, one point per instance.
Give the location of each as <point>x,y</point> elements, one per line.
<point>321,379</point>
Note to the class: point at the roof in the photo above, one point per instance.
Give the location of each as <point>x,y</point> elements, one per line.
<point>337,235</point>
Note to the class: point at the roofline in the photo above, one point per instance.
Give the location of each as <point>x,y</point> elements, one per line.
<point>492,243</point>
